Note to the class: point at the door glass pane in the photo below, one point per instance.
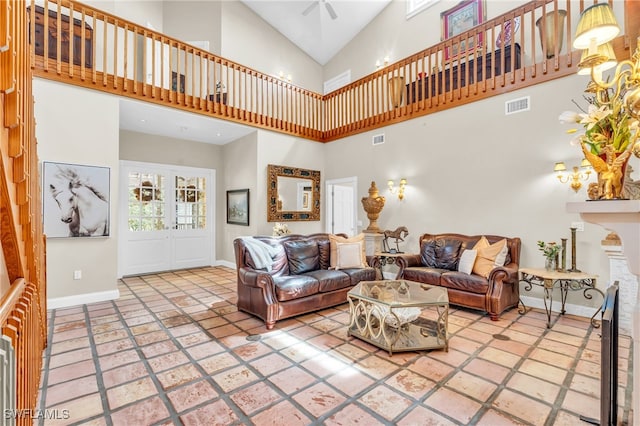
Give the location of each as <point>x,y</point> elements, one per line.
<point>190,203</point>
<point>146,202</point>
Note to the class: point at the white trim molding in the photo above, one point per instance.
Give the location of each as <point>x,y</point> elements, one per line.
<point>82,299</point>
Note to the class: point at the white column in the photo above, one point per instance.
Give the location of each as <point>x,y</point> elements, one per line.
<point>627,283</point>
<point>372,243</point>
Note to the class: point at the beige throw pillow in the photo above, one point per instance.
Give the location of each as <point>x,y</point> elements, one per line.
<point>349,255</point>
<point>467,260</point>
<point>335,239</point>
<point>489,256</point>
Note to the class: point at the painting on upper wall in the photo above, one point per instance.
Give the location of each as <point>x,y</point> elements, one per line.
<point>459,19</point>
<point>238,207</point>
<point>75,200</point>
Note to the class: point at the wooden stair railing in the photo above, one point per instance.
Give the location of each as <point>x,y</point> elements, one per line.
<point>23,297</point>
<point>111,54</point>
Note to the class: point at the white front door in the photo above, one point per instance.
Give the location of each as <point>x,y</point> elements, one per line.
<point>166,218</point>
<point>341,206</point>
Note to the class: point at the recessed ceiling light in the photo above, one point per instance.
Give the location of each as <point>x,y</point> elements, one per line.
<point>218,134</point>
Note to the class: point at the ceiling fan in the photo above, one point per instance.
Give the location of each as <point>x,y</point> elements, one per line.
<point>327,5</point>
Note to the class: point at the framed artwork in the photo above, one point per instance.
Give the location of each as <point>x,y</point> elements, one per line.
<point>75,200</point>
<point>238,207</point>
<point>174,82</point>
<point>459,19</point>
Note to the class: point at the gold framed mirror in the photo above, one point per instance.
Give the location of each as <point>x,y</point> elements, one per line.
<point>293,194</point>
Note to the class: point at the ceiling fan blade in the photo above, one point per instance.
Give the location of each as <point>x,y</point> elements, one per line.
<point>310,8</point>
<point>332,12</point>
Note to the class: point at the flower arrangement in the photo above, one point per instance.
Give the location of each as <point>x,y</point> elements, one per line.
<point>606,122</point>
<point>549,250</point>
<point>280,229</point>
<point>220,87</point>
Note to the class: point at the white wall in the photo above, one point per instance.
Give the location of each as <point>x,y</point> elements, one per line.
<point>240,173</point>
<point>248,40</point>
<point>473,170</point>
<point>84,132</point>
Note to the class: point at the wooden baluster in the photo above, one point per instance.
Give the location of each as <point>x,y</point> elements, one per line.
<point>71,35</point>
<point>115,54</point>
<point>105,49</point>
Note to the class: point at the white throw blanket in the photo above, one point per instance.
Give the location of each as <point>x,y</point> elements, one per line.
<point>261,252</point>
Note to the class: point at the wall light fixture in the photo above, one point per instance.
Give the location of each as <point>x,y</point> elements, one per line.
<point>400,189</point>
<point>578,174</point>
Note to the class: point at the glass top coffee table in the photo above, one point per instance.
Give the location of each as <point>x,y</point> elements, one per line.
<point>399,315</point>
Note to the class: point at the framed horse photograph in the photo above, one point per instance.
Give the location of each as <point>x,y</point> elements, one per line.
<point>75,200</point>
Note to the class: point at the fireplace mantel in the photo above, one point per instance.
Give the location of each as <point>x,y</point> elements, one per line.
<point>619,216</point>
<point>623,218</point>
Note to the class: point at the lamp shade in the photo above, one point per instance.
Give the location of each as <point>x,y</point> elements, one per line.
<point>560,167</point>
<point>597,25</point>
<point>602,60</point>
<point>585,163</point>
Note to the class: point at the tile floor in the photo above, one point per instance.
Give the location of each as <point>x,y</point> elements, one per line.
<point>173,349</point>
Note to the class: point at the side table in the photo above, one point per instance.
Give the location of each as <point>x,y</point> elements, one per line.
<point>382,258</point>
<point>565,281</point>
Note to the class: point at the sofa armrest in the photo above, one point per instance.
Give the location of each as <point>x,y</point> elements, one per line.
<point>507,273</point>
<point>405,261</point>
<point>258,279</point>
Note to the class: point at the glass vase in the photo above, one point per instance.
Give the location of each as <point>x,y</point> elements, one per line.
<point>550,263</point>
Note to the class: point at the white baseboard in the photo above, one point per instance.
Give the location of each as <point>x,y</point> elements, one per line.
<point>82,299</point>
<point>571,309</point>
<point>226,263</point>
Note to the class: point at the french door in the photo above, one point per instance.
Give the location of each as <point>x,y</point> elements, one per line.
<point>166,218</point>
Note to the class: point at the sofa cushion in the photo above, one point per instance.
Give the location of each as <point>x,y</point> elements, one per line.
<point>290,287</point>
<point>467,260</point>
<point>489,256</point>
<point>330,280</point>
<point>334,240</point>
<point>423,274</point>
<point>303,256</point>
<point>441,253</point>
<point>461,281</point>
<point>360,274</point>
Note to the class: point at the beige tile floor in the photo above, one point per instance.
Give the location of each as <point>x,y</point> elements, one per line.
<point>173,349</point>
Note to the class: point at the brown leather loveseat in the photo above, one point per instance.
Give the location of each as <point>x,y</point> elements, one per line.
<point>487,284</point>
<point>296,279</point>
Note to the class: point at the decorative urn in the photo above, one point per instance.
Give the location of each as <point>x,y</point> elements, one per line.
<point>373,205</point>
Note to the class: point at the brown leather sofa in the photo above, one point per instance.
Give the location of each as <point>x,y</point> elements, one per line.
<point>299,281</point>
<point>437,264</point>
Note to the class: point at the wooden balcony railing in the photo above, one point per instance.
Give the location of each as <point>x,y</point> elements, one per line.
<point>117,56</point>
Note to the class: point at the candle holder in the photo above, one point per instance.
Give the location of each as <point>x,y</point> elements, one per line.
<point>573,251</point>
<point>563,266</point>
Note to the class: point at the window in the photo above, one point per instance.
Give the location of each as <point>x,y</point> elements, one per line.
<point>416,6</point>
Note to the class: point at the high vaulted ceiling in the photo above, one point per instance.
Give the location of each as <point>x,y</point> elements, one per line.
<point>309,24</point>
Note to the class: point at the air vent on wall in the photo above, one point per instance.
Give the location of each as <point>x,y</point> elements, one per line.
<point>517,105</point>
<point>378,139</point>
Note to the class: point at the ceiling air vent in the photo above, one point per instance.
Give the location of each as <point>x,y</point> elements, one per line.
<point>378,139</point>
<point>517,105</point>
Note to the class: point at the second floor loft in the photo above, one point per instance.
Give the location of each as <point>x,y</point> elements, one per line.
<point>77,44</point>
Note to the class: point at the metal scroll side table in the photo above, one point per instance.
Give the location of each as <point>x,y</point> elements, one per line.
<point>565,281</point>
<point>380,259</point>
<point>399,315</point>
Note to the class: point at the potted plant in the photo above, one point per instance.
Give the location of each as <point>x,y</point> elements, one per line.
<point>551,251</point>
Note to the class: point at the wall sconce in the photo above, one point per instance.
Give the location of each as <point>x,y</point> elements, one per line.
<point>282,77</point>
<point>383,64</point>
<point>578,174</point>
<point>399,189</point>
